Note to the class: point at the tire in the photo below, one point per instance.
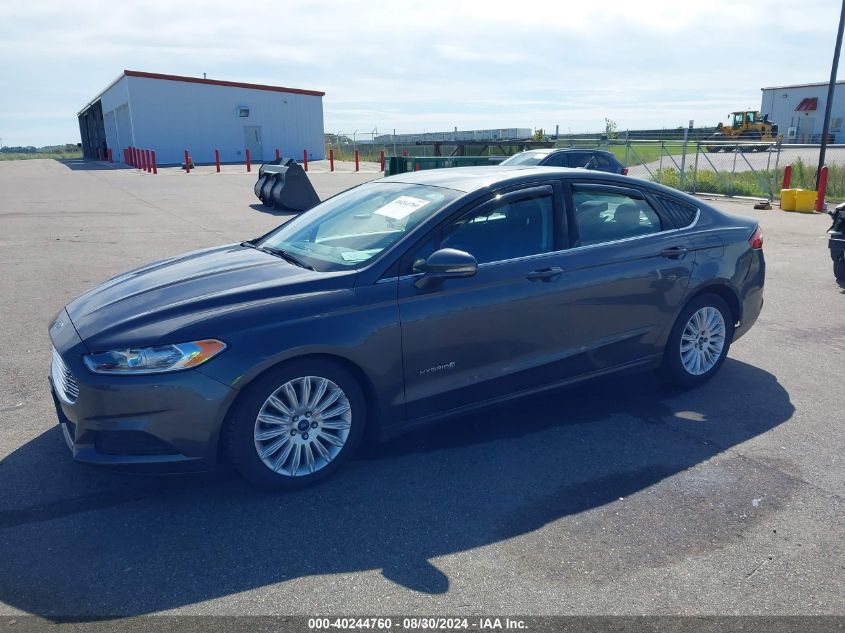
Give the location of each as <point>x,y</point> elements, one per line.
<point>246,435</point>
<point>679,366</point>
<point>839,272</point>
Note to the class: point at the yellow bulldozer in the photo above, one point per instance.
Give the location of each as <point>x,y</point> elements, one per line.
<point>746,127</point>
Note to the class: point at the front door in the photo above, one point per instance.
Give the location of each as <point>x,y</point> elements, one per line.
<point>474,339</point>
<point>252,141</point>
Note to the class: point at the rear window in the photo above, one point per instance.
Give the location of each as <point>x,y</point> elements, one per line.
<point>681,214</point>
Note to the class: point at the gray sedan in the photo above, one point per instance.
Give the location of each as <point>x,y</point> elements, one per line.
<point>394,305</point>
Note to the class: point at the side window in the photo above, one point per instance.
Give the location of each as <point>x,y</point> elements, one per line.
<point>579,159</point>
<point>557,160</point>
<point>515,229</point>
<point>605,217</point>
<point>680,213</point>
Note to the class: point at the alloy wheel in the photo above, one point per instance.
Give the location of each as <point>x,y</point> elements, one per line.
<point>302,426</point>
<point>702,341</point>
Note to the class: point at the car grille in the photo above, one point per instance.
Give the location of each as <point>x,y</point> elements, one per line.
<point>63,380</point>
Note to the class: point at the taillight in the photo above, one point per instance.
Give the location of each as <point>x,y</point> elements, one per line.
<point>756,240</point>
<point>624,171</point>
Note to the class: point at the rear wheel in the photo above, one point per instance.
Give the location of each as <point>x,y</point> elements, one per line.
<point>297,425</point>
<point>699,342</point>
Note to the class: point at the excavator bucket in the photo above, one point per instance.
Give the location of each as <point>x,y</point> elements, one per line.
<point>284,184</point>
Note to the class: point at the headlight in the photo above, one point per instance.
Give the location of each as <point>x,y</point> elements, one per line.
<point>154,360</point>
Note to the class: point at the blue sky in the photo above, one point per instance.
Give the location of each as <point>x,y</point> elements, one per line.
<point>414,66</point>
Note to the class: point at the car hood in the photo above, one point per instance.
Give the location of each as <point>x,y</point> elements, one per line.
<point>147,304</point>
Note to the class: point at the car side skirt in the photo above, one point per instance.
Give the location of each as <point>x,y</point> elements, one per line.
<point>394,430</point>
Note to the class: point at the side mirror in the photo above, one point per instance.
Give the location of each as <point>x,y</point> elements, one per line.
<point>447,263</point>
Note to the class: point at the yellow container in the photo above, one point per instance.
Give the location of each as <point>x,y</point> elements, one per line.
<point>805,200</point>
<point>788,199</point>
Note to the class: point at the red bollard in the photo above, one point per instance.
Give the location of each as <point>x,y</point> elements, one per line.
<point>153,156</point>
<point>787,177</point>
<point>305,159</point>
<point>357,165</point>
<point>148,161</point>
<point>381,160</point>
<point>217,159</point>
<point>331,160</point>
<point>248,163</point>
<point>131,156</point>
<point>110,156</point>
<point>416,166</point>
<point>138,163</point>
<point>278,154</point>
<point>143,160</point>
<point>822,189</point>
<point>187,162</point>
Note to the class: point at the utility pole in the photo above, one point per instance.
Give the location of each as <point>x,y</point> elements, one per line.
<point>830,89</point>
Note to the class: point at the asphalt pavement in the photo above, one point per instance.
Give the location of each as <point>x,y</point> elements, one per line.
<point>617,497</point>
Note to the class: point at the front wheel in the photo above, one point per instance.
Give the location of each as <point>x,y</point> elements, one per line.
<point>699,342</point>
<point>297,424</point>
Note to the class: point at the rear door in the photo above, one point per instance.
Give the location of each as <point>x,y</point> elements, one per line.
<point>627,274</point>
<point>474,339</point>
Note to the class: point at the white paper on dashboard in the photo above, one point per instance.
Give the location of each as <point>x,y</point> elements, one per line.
<point>401,208</point>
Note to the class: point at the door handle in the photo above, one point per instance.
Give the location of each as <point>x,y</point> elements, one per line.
<point>675,252</point>
<point>545,274</point>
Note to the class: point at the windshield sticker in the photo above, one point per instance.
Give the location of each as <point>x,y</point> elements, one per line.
<point>401,208</point>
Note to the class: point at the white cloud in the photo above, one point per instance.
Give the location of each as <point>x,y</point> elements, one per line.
<point>416,65</point>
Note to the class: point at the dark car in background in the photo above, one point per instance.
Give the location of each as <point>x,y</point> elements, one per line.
<point>596,159</point>
<point>393,305</point>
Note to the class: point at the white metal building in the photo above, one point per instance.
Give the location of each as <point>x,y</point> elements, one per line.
<point>799,111</point>
<point>169,114</point>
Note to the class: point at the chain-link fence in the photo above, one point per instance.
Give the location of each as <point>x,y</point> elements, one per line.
<point>732,168</point>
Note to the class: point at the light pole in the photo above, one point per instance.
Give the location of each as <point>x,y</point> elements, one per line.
<point>830,89</point>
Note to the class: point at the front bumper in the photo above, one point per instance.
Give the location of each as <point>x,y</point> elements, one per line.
<point>152,423</point>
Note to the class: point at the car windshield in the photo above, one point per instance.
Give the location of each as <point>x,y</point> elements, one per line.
<point>353,227</point>
<point>525,158</point>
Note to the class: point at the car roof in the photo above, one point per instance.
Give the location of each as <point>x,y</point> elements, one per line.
<point>480,178</point>
<point>567,150</point>
<point>470,179</point>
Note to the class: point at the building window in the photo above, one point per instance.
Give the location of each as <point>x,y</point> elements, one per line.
<point>243,112</point>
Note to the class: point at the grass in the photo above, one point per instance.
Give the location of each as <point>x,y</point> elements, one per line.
<point>745,183</point>
<point>640,153</point>
<point>32,155</point>
<point>636,153</point>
